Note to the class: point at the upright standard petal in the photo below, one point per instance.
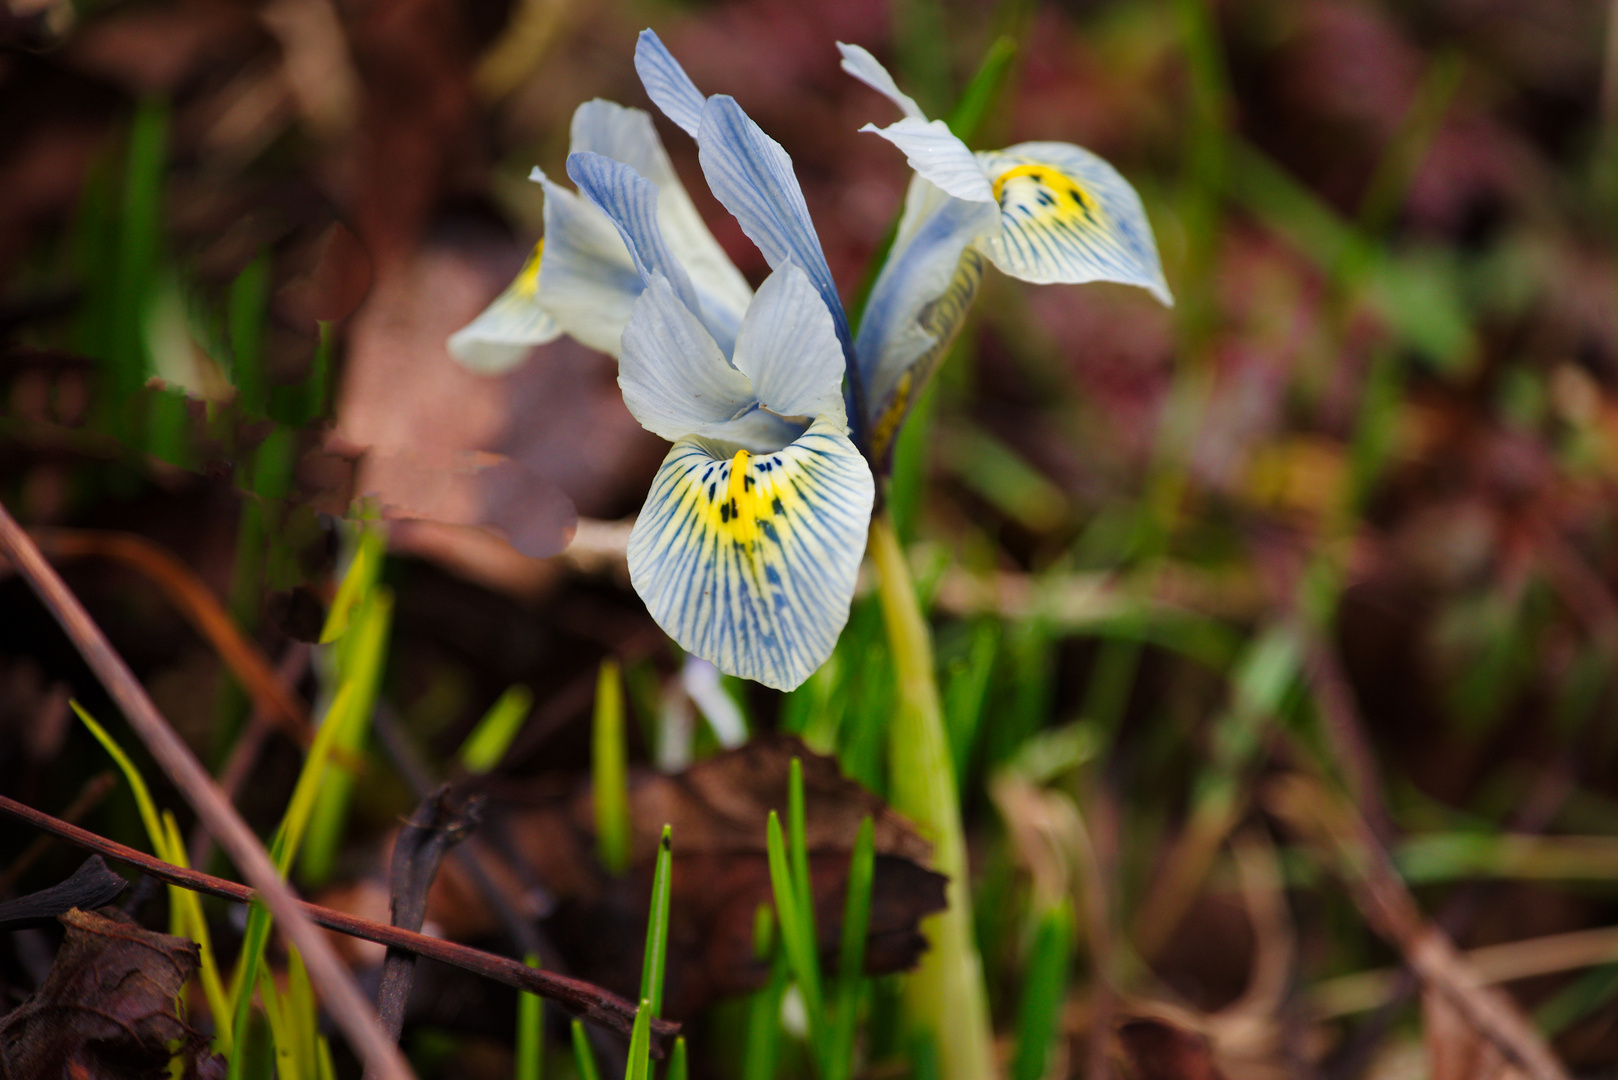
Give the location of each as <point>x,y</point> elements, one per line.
<point>587,281</point>
<point>749,561</point>
<point>866,68</point>
<point>630,201</point>
<point>667,84</point>
<point>627,135</point>
<point>788,348</point>
<point>675,380</point>
<point>498,339</point>
<point>752,176</point>
<point>934,152</point>
<point>1066,215</point>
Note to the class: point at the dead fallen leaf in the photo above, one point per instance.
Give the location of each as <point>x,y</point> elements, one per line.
<point>106,1011</point>
<point>1155,1049</point>
<point>718,809</point>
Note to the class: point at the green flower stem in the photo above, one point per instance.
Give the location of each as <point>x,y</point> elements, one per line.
<point>944,996</point>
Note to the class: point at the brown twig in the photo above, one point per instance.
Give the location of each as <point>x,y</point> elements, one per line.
<point>353,1014</point>
<point>200,607</point>
<point>586,999</point>
<point>89,797</point>
<point>1377,890</point>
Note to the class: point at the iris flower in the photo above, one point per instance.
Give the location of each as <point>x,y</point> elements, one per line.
<point>747,549</point>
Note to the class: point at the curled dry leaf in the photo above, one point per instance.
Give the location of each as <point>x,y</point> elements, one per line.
<point>107,1009</point>
<point>718,809</point>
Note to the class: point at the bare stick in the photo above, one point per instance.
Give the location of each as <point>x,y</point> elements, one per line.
<point>1335,830</point>
<point>336,985</point>
<point>586,999</point>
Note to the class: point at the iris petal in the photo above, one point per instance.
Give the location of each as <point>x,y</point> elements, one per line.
<point>865,67</point>
<point>501,336</point>
<point>934,152</point>
<point>752,177</point>
<point>630,201</point>
<point>749,561</point>
<point>1066,215</point>
<point>667,84</point>
<point>787,347</point>
<point>587,281</point>
<point>674,378</point>
<point>918,303</point>
<point>627,135</point>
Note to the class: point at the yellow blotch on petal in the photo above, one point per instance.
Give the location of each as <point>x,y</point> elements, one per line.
<point>1047,192</point>
<point>527,283</point>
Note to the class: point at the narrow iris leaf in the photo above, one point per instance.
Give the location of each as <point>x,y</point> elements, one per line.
<point>610,770</point>
<point>530,1061</point>
<point>1044,988</point>
<point>582,1055</point>
<point>492,737</point>
<point>657,928</point>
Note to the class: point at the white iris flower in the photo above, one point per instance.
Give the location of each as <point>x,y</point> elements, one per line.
<point>747,549</point>
<point>1040,211</point>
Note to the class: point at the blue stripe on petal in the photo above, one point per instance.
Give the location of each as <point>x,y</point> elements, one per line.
<point>749,561</point>
<point>667,84</point>
<point>752,176</point>
<point>630,201</point>
<point>587,281</point>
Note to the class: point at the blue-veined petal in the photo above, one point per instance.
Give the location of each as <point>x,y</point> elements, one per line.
<point>752,177</point>
<point>1066,215</point>
<point>789,350</point>
<point>865,67</point>
<point>934,152</point>
<point>501,336</point>
<point>918,302</point>
<point>627,135</point>
<point>587,281</point>
<point>749,561</point>
<point>674,378</point>
<point>667,84</point>
<point>630,201</point>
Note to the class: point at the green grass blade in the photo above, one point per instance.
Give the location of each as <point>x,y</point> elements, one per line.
<point>851,952</point>
<point>196,928</point>
<point>678,1067</point>
<point>358,582</point>
<point>1044,988</point>
<point>490,740</point>
<point>657,926</point>
<point>610,770</point>
<point>639,1066</point>
<point>363,656</point>
<point>137,785</point>
<point>247,306</point>
<point>764,1026</point>
<point>281,1033</point>
<point>975,102</point>
<point>582,1055</point>
<point>797,930</point>
<point>530,1031</point>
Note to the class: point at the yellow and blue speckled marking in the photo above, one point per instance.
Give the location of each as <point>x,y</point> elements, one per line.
<point>748,559</point>
<point>1066,215</point>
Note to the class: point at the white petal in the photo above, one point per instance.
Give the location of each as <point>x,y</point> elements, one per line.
<point>752,176</point>
<point>587,281</point>
<point>499,338</point>
<point>674,378</point>
<point>789,350</point>
<point>630,201</point>
<point>864,67</point>
<point>667,84</point>
<point>934,152</point>
<point>627,135</point>
<point>749,561</point>
<point>918,303</point>
<point>1066,215</point>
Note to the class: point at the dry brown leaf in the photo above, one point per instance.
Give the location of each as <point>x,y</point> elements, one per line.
<point>718,809</point>
<point>107,1009</point>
